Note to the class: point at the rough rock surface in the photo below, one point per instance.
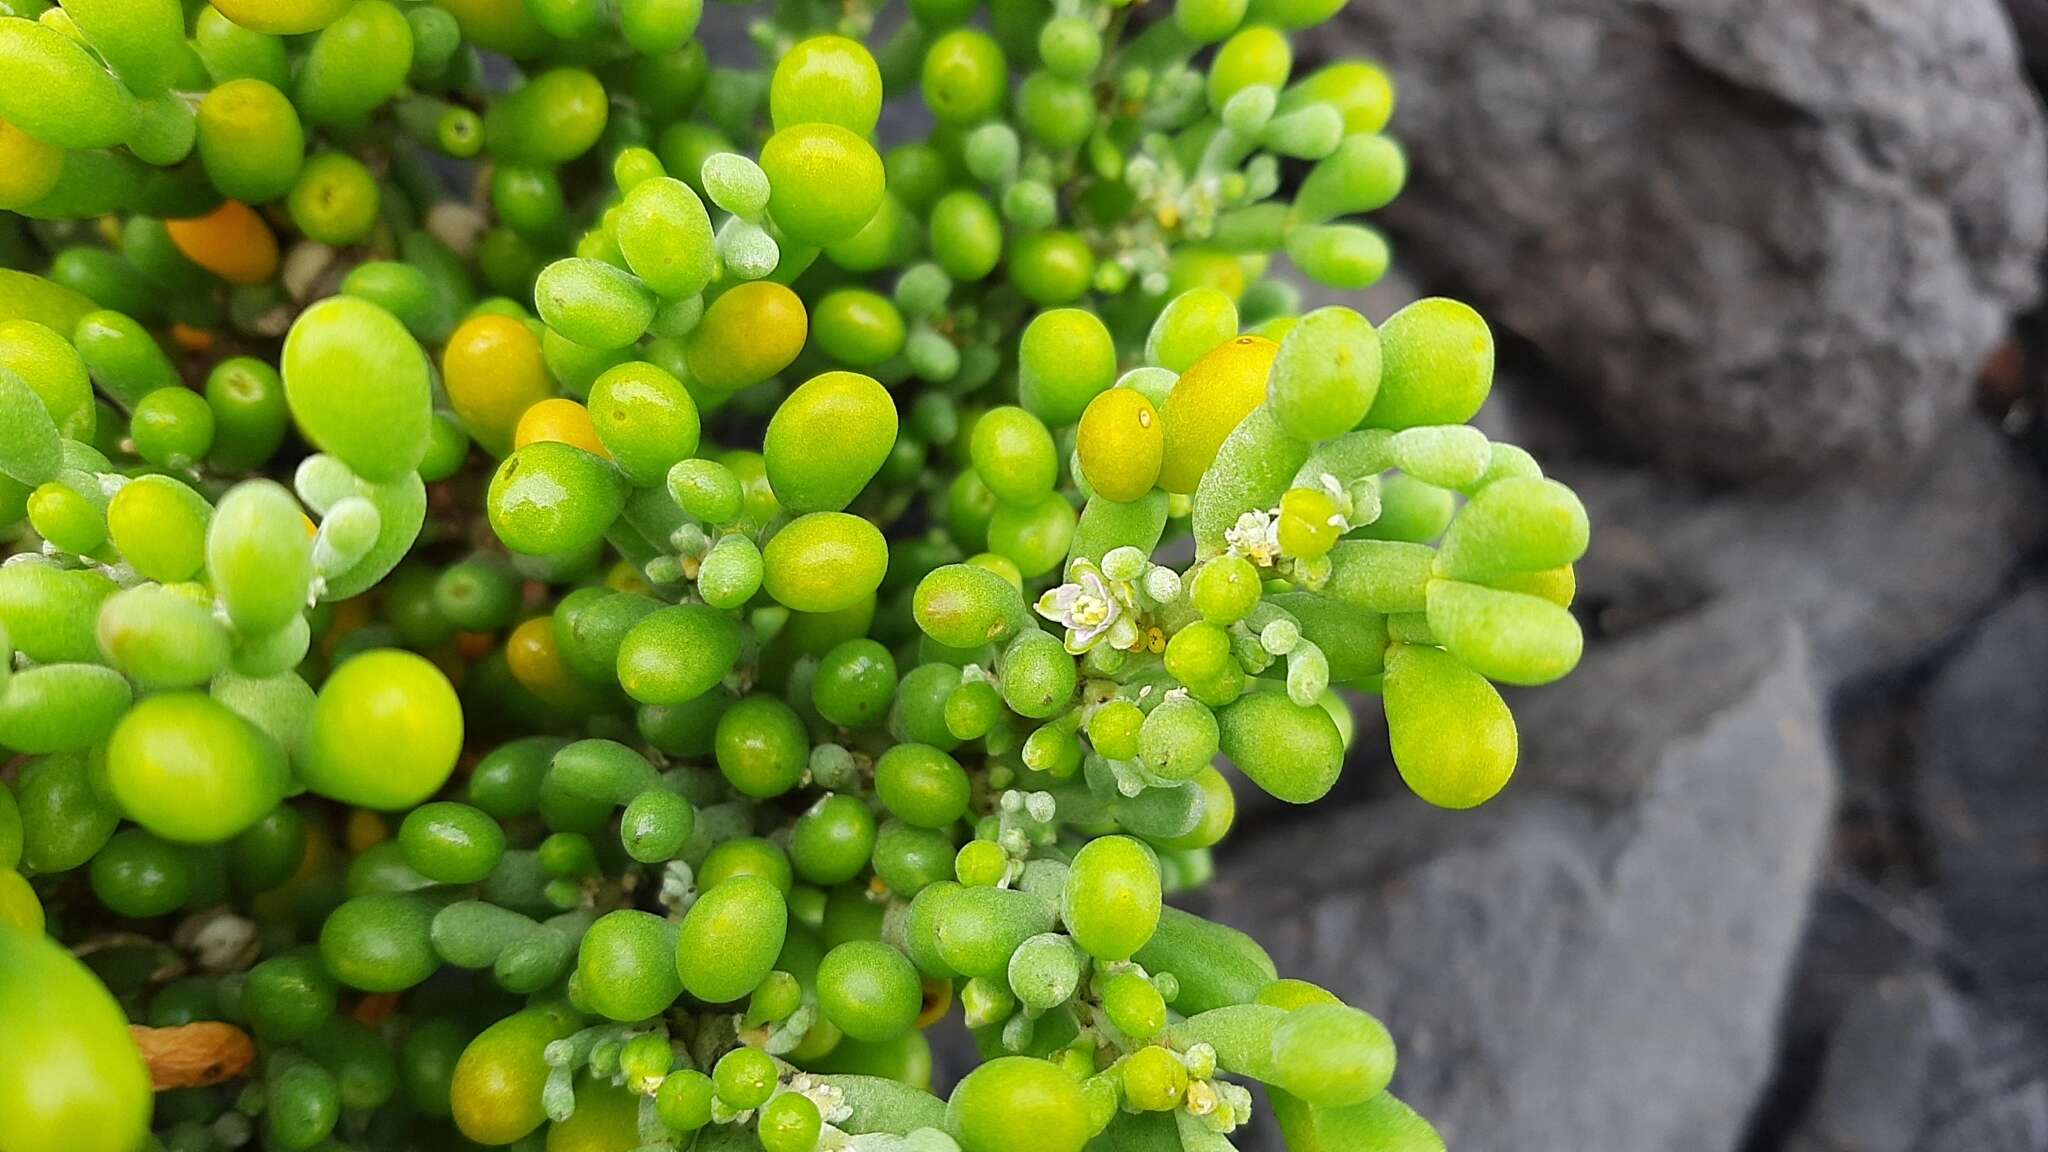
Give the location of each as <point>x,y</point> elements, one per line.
<point>1595,959</point>
<point>1983,787</point>
<point>1917,1068</point>
<point>1761,237</point>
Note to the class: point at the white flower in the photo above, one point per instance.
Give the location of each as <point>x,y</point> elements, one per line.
<point>1256,537</point>
<point>1087,605</point>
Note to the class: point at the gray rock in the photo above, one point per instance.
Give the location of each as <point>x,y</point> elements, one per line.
<point>1880,569</point>
<point>1763,238</point>
<point>1917,1068</point>
<point>1595,959</point>
<point>1983,794</point>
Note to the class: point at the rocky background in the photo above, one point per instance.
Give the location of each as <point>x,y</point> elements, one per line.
<point>1773,876</point>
